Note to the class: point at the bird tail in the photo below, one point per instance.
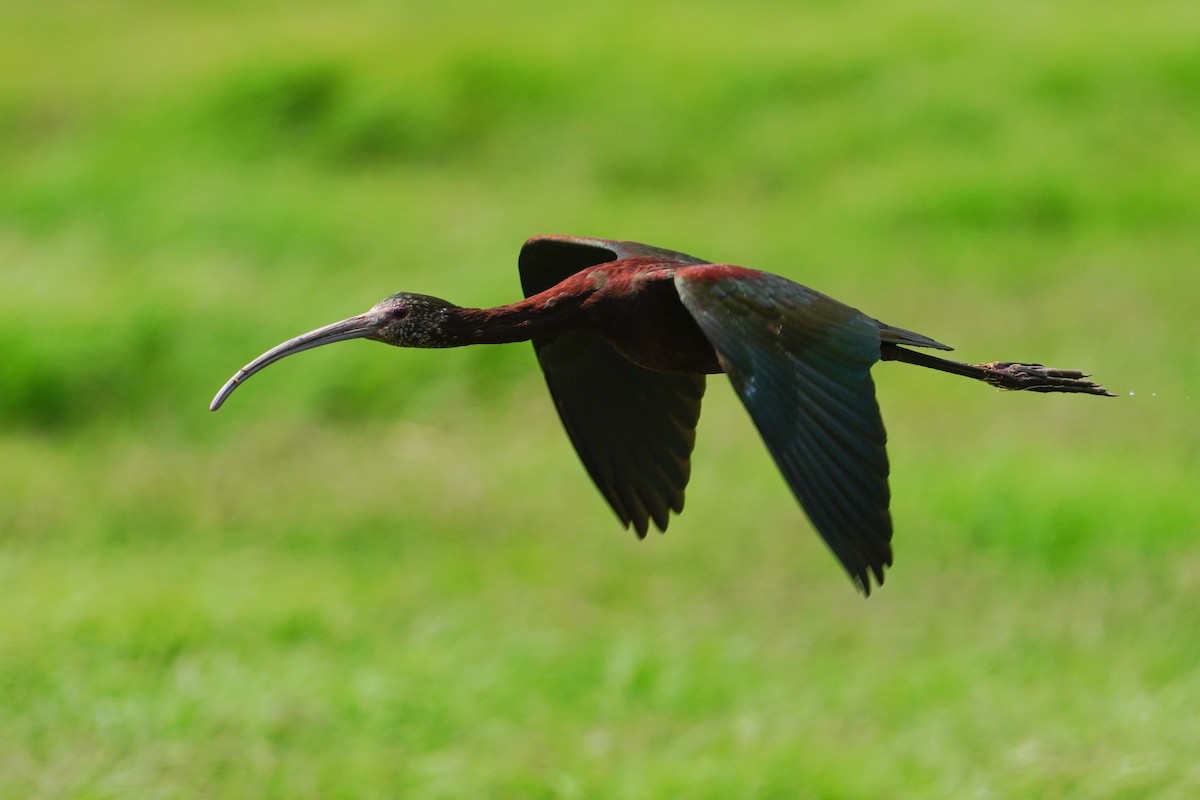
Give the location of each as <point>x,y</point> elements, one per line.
<point>890,333</point>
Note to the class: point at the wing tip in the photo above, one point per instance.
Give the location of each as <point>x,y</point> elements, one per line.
<point>640,521</point>
<point>862,578</point>
<point>640,524</point>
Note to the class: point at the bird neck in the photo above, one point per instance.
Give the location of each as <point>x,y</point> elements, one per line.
<point>535,316</point>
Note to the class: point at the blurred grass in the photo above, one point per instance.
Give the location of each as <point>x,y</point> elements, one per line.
<point>383,574</point>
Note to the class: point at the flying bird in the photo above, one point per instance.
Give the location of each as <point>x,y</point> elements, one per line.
<point>625,334</point>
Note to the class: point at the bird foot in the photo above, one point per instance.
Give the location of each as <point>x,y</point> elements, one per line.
<point>1039,378</point>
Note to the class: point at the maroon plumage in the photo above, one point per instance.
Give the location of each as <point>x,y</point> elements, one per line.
<point>625,334</point>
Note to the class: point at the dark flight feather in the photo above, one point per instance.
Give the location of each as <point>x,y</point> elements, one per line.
<point>805,379</point>
<point>633,429</point>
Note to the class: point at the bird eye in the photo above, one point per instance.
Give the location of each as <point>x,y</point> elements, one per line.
<point>398,312</point>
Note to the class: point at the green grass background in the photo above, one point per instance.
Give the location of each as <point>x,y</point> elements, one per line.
<point>383,574</point>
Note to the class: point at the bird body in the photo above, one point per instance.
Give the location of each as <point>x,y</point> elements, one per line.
<point>632,304</point>
<point>625,334</point>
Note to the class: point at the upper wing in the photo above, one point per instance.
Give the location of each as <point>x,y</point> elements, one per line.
<point>800,362</point>
<point>633,428</point>
<point>547,260</point>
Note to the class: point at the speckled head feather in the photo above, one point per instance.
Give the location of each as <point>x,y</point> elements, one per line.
<point>411,320</point>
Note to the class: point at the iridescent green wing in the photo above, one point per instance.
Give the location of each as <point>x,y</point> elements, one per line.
<point>633,429</point>
<point>800,362</point>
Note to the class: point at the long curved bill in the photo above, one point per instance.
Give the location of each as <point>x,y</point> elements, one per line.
<point>359,327</point>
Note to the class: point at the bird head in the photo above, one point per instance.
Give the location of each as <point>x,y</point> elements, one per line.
<point>405,319</point>
<point>402,319</point>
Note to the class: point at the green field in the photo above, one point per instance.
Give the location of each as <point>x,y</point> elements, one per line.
<point>381,574</point>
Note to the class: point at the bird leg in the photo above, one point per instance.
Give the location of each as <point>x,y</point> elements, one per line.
<point>1012,375</point>
<point>1038,378</point>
